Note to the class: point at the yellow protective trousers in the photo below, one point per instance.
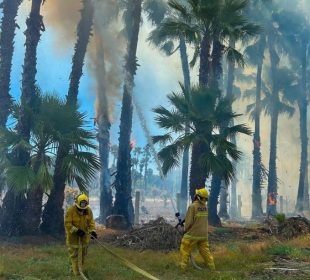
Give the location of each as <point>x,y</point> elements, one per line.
<point>74,257</point>
<point>203,247</point>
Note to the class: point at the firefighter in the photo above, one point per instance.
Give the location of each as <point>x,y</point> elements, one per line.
<point>196,230</point>
<point>80,227</point>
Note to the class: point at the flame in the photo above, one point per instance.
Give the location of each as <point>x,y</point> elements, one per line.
<point>272,199</point>
<point>132,144</point>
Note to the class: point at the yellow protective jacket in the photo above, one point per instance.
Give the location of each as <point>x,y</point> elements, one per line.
<point>75,220</point>
<point>196,221</point>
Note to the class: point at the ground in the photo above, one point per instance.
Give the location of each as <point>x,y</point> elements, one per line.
<point>240,253</point>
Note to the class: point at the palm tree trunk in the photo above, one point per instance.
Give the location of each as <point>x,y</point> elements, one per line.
<point>223,212</point>
<point>28,101</point>
<point>214,219</point>
<point>8,25</point>
<point>185,160</point>
<point>197,175</point>
<point>105,189</point>
<point>204,61</point>
<point>257,210</point>
<point>123,200</point>
<point>52,220</point>
<point>303,110</point>
<point>272,178</point>
<point>103,135</point>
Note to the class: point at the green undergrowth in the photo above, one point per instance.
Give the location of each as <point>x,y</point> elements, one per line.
<point>234,260</point>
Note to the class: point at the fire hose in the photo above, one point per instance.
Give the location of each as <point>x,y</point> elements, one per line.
<point>127,263</point>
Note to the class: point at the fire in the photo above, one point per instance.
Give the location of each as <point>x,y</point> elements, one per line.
<point>132,144</point>
<point>272,199</point>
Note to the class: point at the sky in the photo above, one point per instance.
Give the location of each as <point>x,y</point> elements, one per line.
<point>157,76</point>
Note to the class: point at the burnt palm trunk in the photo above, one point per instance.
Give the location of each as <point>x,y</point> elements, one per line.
<point>272,178</point>
<point>257,210</point>
<point>123,200</point>
<point>185,160</point>
<point>204,61</point>
<point>103,135</point>
<point>303,111</point>
<point>52,220</point>
<point>16,220</point>
<point>8,26</point>
<point>105,189</point>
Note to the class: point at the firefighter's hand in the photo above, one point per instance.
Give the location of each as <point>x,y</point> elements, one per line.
<point>80,233</point>
<point>93,235</point>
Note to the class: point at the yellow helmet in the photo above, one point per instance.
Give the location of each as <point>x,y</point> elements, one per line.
<point>82,201</point>
<point>203,193</point>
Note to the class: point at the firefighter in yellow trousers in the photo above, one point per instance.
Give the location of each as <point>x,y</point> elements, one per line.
<point>196,230</point>
<point>80,227</point>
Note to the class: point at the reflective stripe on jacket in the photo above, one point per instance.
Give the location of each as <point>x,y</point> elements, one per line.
<point>75,220</point>
<point>196,221</point>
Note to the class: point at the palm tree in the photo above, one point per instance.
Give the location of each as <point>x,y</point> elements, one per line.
<point>205,110</point>
<point>8,26</point>
<point>295,30</point>
<point>53,213</point>
<point>163,38</point>
<point>54,122</point>
<point>123,202</point>
<point>14,205</point>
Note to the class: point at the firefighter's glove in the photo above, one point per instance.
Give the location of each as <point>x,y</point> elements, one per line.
<point>93,235</point>
<point>80,233</point>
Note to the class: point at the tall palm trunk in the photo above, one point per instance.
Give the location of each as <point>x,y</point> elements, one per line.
<point>223,212</point>
<point>215,74</point>
<point>105,189</point>
<point>303,110</point>
<point>8,25</point>
<point>52,220</point>
<point>257,210</point>
<point>16,221</point>
<point>197,176</point>
<point>123,200</point>
<point>185,160</point>
<point>103,135</point>
<point>272,178</point>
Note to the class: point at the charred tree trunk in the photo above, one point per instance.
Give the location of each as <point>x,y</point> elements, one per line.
<point>123,200</point>
<point>53,214</point>
<point>103,135</point>
<point>105,189</point>
<point>303,111</point>
<point>8,25</point>
<point>257,210</point>
<point>223,212</point>
<point>185,160</point>
<point>272,178</point>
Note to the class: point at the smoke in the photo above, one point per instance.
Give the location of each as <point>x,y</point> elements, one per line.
<point>105,51</point>
<point>63,16</point>
<point>106,55</point>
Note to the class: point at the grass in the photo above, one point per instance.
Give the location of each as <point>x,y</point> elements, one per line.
<point>234,260</point>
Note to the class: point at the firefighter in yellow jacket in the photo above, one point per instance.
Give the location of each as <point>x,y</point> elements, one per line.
<point>80,227</point>
<point>196,230</point>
